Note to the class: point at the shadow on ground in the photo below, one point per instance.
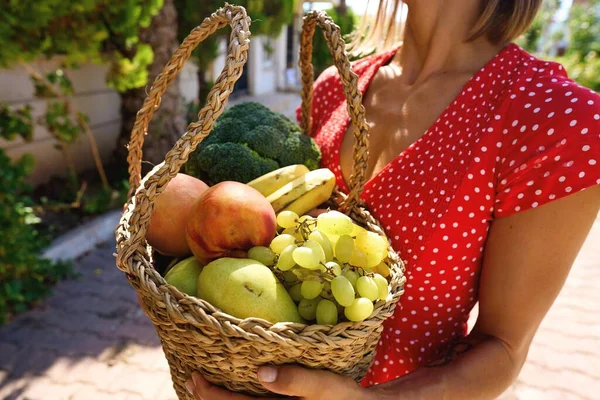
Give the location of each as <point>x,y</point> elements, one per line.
<point>83,334</point>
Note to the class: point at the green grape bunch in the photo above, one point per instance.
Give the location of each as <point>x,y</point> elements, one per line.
<point>333,269</point>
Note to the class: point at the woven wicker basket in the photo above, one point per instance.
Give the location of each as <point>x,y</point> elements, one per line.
<point>195,335</point>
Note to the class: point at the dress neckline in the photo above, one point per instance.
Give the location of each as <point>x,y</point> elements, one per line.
<point>384,59</point>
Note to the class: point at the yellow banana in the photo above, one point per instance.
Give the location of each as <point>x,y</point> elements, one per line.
<point>269,183</point>
<point>304,193</point>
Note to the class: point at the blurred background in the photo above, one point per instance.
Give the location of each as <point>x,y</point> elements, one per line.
<point>73,75</point>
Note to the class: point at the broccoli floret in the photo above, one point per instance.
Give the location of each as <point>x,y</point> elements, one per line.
<point>266,142</point>
<point>300,150</point>
<point>233,160</point>
<point>248,141</point>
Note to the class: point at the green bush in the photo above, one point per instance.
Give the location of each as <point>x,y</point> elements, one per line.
<point>25,277</point>
<point>586,72</point>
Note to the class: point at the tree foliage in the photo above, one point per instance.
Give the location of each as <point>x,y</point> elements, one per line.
<point>268,18</point>
<point>530,41</point>
<point>582,60</point>
<point>322,57</point>
<point>80,31</point>
<point>25,277</point>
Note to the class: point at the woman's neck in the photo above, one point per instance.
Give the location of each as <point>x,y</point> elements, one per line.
<point>435,40</point>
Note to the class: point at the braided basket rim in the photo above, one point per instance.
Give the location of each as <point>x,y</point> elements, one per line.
<point>185,309</point>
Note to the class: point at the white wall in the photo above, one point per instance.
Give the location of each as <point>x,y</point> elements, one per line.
<point>92,97</point>
<point>265,74</point>
<point>188,82</point>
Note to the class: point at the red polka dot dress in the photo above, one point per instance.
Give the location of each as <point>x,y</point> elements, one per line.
<point>520,134</point>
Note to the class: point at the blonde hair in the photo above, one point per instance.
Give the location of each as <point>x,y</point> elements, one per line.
<point>500,20</point>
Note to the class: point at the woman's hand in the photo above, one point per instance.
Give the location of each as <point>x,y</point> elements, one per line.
<point>298,382</point>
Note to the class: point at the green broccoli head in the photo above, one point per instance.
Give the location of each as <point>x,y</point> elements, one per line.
<point>248,141</point>
<point>234,161</point>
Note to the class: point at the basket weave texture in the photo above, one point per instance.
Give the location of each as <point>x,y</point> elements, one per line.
<point>196,336</point>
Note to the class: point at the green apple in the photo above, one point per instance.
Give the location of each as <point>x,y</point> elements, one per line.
<point>184,275</point>
<point>245,288</point>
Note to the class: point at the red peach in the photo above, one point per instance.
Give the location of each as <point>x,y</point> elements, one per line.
<point>229,217</point>
<point>171,213</point>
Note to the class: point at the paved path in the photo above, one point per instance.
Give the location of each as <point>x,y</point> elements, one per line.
<point>90,341</point>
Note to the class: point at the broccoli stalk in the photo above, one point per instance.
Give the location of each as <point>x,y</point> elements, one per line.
<point>248,141</point>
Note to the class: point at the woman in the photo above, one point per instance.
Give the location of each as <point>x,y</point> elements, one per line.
<point>479,157</point>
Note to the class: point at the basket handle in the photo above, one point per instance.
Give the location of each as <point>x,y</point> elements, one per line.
<point>132,228</point>
<point>356,110</point>
<point>236,59</point>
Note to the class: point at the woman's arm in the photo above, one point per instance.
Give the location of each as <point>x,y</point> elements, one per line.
<point>527,259</point>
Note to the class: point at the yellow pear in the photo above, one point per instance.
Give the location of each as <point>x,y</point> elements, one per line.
<point>245,288</point>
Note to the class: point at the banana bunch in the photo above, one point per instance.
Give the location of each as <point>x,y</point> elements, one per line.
<point>295,188</point>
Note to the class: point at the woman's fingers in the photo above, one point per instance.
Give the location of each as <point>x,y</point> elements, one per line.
<point>202,389</point>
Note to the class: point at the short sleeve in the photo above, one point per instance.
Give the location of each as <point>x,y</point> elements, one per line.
<point>550,146</point>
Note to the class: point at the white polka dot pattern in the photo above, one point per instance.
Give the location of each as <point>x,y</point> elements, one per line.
<point>520,134</point>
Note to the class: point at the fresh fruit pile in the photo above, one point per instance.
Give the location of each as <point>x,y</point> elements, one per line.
<point>331,267</point>
<point>258,254</point>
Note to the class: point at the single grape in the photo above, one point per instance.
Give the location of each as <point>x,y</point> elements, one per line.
<point>295,292</point>
<point>351,275</point>
<point>332,239</point>
<point>326,313</point>
<point>370,242</point>
<point>281,242</point>
<point>311,289</point>
<point>383,269</point>
<point>306,258</point>
<point>334,268</point>
<point>356,230</point>
<point>344,248</point>
<point>294,232</point>
<point>287,219</point>
<point>290,277</point>
<point>308,308</point>
<point>358,259</point>
<point>324,242</point>
<point>335,222</point>
<point>373,259</point>
<point>286,259</point>
<point>262,254</point>
<point>367,287</point>
<point>359,310</point>
<point>382,287</point>
<point>326,294</point>
<point>342,290</point>
<point>317,249</point>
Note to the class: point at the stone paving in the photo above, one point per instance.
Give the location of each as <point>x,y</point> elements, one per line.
<point>90,340</point>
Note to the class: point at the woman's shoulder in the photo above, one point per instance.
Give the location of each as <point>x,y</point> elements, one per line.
<point>543,94</point>
<point>548,79</point>
<point>550,144</point>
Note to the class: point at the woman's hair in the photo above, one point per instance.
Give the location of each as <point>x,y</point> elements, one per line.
<point>500,20</point>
